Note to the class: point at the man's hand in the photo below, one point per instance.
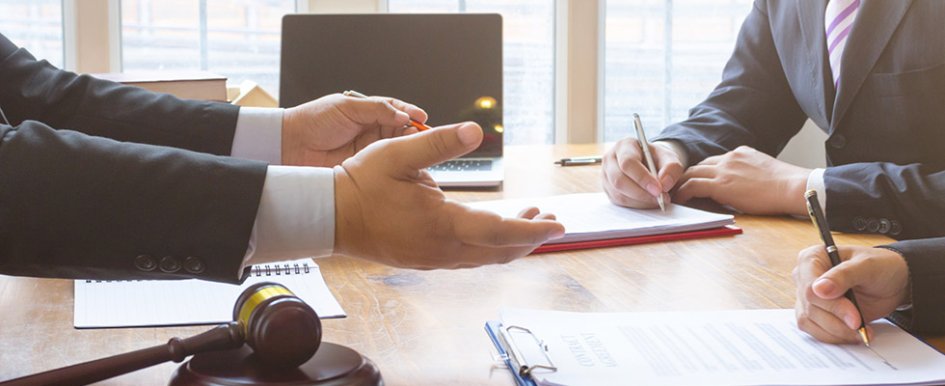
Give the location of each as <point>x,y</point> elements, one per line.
<point>879,278</point>
<point>748,180</point>
<point>330,129</point>
<point>627,180</point>
<point>388,208</point>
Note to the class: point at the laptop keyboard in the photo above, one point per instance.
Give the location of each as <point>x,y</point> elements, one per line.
<point>460,165</point>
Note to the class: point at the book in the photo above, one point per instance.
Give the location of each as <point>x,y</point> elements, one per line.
<point>743,347</point>
<point>592,221</point>
<point>182,84</point>
<point>142,303</point>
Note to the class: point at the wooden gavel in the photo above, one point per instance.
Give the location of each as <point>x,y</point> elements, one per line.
<point>281,329</point>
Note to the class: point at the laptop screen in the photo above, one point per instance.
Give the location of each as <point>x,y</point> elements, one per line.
<point>450,65</point>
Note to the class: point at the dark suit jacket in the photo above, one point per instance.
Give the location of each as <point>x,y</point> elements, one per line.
<point>886,123</point>
<point>100,180</point>
<point>926,259</point>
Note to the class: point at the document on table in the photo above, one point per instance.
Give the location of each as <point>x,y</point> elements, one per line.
<point>753,347</point>
<point>591,216</point>
<point>139,303</point>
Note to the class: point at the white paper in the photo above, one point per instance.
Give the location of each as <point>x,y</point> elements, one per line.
<point>754,347</point>
<point>138,303</point>
<point>591,216</point>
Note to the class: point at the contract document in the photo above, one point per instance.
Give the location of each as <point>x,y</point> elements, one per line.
<point>749,347</point>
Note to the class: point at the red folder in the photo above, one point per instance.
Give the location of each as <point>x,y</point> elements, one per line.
<point>721,231</point>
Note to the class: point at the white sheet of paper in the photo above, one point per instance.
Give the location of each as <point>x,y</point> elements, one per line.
<point>747,347</point>
<point>138,303</point>
<point>591,216</point>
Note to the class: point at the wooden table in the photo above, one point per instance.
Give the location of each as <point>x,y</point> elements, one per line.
<point>426,327</point>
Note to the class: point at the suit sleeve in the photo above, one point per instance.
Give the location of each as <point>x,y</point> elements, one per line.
<point>926,260</point>
<point>78,206</point>
<point>36,90</point>
<point>753,105</point>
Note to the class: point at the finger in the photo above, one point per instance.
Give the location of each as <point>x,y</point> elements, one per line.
<point>670,169</point>
<point>824,327</point>
<point>695,187</point>
<point>546,216</point>
<point>713,160</point>
<point>412,110</point>
<point>842,309</point>
<point>483,228</point>
<point>528,213</point>
<point>846,275</point>
<point>630,161</point>
<point>375,110</point>
<point>432,147</point>
<point>702,171</point>
<point>621,189</point>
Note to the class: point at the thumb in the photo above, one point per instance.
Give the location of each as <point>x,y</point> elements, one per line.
<point>838,280</point>
<point>428,148</point>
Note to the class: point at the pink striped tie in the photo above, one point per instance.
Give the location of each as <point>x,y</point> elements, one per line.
<point>838,22</point>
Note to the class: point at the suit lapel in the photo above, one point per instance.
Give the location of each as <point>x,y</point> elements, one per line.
<point>811,15</point>
<point>874,25</point>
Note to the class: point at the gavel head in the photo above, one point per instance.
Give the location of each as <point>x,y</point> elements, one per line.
<point>282,330</point>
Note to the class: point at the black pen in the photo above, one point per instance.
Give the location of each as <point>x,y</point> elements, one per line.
<point>574,161</point>
<point>817,216</point>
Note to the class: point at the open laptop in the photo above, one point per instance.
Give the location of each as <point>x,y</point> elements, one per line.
<point>448,64</point>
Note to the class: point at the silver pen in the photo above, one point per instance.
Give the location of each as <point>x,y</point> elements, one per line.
<point>641,136</point>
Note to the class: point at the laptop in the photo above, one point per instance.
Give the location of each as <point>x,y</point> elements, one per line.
<point>448,64</point>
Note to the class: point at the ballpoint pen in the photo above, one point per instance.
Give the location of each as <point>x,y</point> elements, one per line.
<point>413,122</point>
<point>641,136</point>
<point>817,217</point>
<point>574,161</point>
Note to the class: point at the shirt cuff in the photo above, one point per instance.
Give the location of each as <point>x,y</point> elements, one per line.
<point>258,135</point>
<point>296,215</point>
<point>815,181</point>
<point>680,151</point>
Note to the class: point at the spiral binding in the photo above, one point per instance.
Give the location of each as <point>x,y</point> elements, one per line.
<point>279,269</point>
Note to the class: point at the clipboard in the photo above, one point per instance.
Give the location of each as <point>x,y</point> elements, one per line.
<point>505,341</point>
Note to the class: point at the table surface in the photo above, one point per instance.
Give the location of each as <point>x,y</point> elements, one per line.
<point>426,327</point>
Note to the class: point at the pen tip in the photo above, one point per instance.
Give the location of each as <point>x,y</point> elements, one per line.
<point>866,338</point>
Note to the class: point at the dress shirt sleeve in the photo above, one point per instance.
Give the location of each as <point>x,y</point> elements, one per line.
<point>258,135</point>
<point>296,215</point>
<point>815,181</point>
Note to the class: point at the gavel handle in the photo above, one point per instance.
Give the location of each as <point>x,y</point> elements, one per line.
<point>222,337</point>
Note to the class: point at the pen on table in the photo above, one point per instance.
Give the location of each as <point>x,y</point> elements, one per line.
<point>574,161</point>
<point>413,122</point>
<point>641,136</point>
<point>817,216</point>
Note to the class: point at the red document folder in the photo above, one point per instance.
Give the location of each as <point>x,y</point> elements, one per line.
<point>721,231</point>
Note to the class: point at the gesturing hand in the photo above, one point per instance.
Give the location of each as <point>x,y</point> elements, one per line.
<point>332,128</point>
<point>388,209</point>
<point>879,279</point>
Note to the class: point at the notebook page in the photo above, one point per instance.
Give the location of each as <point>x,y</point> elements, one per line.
<point>591,216</point>
<point>139,303</point>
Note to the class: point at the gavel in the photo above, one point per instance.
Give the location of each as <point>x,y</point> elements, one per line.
<point>282,330</point>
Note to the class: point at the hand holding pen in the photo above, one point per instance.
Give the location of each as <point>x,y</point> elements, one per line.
<point>420,126</point>
<point>628,178</point>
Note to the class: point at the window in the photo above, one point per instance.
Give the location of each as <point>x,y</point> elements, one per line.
<point>237,39</point>
<point>662,57</point>
<point>35,25</point>
<point>528,31</point>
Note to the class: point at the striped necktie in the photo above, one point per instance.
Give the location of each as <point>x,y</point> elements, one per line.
<point>838,22</point>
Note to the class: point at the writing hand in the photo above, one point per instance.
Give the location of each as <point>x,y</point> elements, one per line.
<point>627,180</point>
<point>879,278</point>
<point>389,209</point>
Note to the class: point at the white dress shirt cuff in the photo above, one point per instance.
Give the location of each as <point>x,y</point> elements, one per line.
<point>680,151</point>
<point>815,181</point>
<point>258,135</point>
<point>296,215</point>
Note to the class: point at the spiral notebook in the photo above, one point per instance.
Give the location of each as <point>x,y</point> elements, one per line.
<point>147,303</point>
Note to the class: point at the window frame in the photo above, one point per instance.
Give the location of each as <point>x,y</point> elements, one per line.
<point>92,43</point>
